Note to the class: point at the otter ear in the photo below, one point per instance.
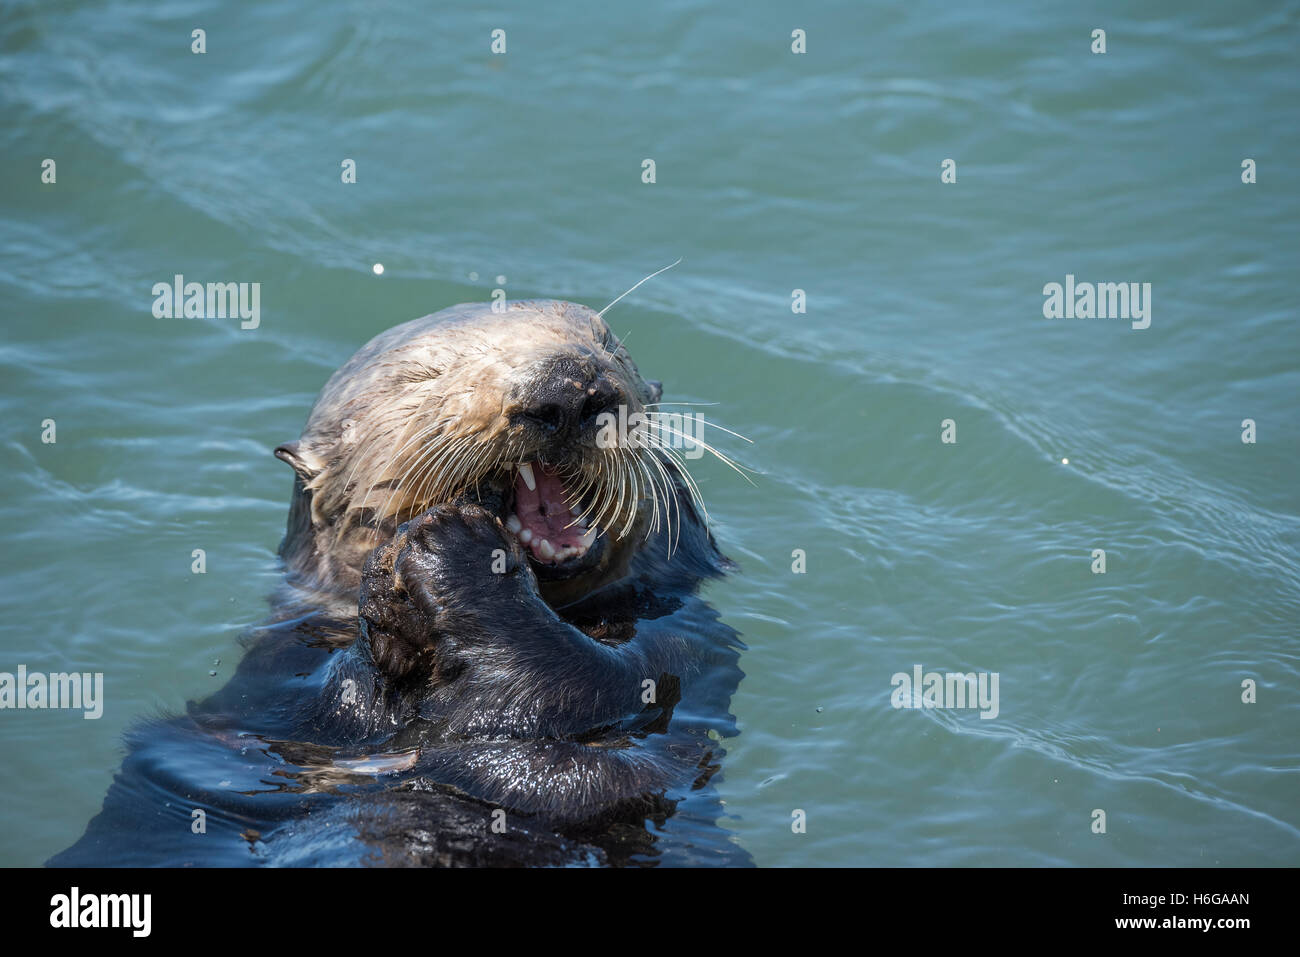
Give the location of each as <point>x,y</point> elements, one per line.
<point>300,459</point>
<point>656,390</point>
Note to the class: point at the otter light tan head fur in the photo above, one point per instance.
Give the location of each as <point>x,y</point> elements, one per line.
<point>471,402</point>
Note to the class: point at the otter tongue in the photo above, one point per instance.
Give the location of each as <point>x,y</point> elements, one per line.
<point>545,513</point>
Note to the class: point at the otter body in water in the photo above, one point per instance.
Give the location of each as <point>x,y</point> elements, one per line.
<point>531,677</point>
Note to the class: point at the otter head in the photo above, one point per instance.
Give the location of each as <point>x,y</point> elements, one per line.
<point>536,412</point>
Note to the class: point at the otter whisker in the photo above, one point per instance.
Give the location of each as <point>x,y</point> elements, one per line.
<point>738,469</point>
<point>401,444</point>
<point>419,436</point>
<point>602,312</point>
<point>635,491</point>
<point>440,468</point>
<point>666,402</point>
<point>670,500</point>
<point>426,464</point>
<point>618,489</point>
<point>600,495</point>
<point>679,465</point>
<point>628,478</point>
<point>654,496</point>
<point>654,416</point>
<point>573,480</point>
<point>613,494</point>
<point>470,467</point>
<point>574,493</point>
<point>411,470</point>
<point>381,475</point>
<point>655,523</point>
<point>363,455</point>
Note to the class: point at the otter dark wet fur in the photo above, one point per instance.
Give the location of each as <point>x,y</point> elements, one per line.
<point>439,685</point>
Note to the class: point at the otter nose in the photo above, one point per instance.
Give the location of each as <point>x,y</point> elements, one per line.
<point>565,404</point>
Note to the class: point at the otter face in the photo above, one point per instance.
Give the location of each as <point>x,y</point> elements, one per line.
<point>537,413</point>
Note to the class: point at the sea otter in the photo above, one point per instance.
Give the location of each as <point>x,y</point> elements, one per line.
<point>489,648</point>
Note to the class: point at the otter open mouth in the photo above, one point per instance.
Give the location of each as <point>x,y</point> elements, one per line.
<point>549,525</point>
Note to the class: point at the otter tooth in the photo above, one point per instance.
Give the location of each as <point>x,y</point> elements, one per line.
<point>514,524</point>
<point>587,538</point>
<point>526,535</point>
<point>546,549</point>
<point>575,511</point>
<point>526,471</point>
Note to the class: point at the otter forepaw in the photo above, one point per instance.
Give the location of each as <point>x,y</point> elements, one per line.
<point>463,542</point>
<point>458,556</point>
<point>440,569</point>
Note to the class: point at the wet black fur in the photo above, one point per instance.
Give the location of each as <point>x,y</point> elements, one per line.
<point>477,698</point>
